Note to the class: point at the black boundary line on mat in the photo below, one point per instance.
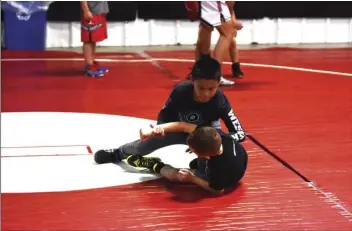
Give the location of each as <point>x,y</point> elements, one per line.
<point>276,157</point>
<point>310,183</point>
<point>157,64</point>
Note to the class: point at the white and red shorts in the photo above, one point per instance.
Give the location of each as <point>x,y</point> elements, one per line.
<point>94,30</point>
<point>210,13</point>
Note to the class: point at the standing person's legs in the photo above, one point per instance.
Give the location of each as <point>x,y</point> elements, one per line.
<point>212,14</point>
<point>215,14</point>
<point>203,42</point>
<point>92,32</point>
<point>235,59</point>
<point>88,53</point>
<point>234,55</point>
<point>202,50</point>
<point>103,34</point>
<point>233,51</point>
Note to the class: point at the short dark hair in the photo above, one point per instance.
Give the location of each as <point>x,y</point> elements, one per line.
<point>205,141</point>
<point>206,68</point>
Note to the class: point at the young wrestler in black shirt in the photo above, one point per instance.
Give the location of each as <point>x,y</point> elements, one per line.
<point>199,102</point>
<point>221,164</point>
<point>182,105</point>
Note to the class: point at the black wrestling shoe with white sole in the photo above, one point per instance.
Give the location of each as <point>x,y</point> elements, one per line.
<point>107,156</point>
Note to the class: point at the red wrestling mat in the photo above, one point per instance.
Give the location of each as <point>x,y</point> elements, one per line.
<point>271,197</point>
<point>304,117</point>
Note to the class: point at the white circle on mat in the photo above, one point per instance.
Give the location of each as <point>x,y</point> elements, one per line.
<point>49,151</point>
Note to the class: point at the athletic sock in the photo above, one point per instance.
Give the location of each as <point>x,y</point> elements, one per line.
<point>158,166</point>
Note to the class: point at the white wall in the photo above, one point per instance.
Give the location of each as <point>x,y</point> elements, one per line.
<point>154,32</point>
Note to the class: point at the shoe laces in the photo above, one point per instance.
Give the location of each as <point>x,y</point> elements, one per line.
<point>149,162</point>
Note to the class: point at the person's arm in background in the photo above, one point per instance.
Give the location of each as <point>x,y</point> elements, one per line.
<point>87,15</point>
<point>231,6</point>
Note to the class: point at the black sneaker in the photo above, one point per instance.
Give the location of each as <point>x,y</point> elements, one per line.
<point>107,156</point>
<point>236,71</point>
<point>142,162</point>
<point>193,164</point>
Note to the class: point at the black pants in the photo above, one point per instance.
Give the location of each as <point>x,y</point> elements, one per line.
<point>139,147</point>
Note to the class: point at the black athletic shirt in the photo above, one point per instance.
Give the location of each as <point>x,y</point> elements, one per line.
<point>227,169</point>
<point>181,106</point>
